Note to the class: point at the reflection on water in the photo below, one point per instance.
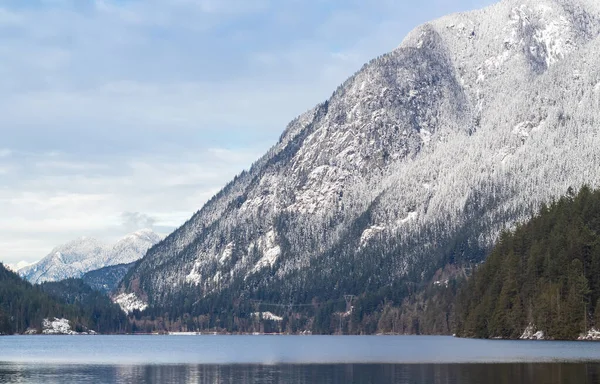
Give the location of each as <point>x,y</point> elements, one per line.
<point>554,373</point>
<point>281,350</point>
<point>291,360</point>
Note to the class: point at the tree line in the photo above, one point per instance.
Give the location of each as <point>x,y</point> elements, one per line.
<point>545,274</point>
<point>24,306</point>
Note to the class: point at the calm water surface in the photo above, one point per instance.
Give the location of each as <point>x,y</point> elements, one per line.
<point>293,360</point>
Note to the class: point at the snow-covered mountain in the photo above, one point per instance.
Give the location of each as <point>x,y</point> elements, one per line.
<point>16,267</point>
<point>421,158</point>
<point>87,254</point>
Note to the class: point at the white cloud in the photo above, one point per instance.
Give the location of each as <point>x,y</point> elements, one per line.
<point>54,204</point>
<point>133,221</point>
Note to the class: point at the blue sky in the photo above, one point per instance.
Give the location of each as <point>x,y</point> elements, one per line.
<point>121,114</point>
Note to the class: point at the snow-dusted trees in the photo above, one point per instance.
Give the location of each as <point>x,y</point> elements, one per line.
<point>421,158</point>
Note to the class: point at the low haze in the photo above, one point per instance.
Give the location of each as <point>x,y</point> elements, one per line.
<point>119,115</point>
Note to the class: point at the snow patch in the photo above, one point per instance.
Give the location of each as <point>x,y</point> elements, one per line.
<point>267,316</point>
<point>369,233</point>
<point>425,136</point>
<point>596,92</point>
<point>592,334</point>
<point>552,32</point>
<point>59,257</point>
<point>217,277</point>
<point>412,216</point>
<point>554,37</point>
<point>324,184</point>
<point>130,302</point>
<point>523,130</point>
<point>59,327</point>
<point>227,252</point>
<point>271,251</point>
<point>531,333</point>
<point>194,277</point>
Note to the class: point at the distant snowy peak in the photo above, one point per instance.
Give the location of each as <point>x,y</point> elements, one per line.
<point>130,247</point>
<point>77,250</point>
<point>87,254</point>
<point>143,235</point>
<point>17,267</point>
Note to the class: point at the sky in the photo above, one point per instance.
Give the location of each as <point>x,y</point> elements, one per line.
<point>118,115</point>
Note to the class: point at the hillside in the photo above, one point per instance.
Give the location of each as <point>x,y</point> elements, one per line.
<point>23,307</point>
<point>418,161</point>
<point>106,279</point>
<point>97,310</point>
<point>545,275</point>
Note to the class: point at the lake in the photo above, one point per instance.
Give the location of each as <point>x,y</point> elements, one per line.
<point>294,359</point>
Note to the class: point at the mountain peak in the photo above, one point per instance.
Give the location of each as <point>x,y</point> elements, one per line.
<point>535,34</point>
<point>146,233</point>
<point>85,254</point>
<point>425,155</point>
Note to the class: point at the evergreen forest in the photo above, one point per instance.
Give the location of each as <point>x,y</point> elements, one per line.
<point>24,306</point>
<point>545,274</point>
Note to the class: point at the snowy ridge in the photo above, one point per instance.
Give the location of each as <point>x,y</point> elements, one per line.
<point>130,302</point>
<point>87,254</point>
<point>467,127</point>
<point>17,267</point>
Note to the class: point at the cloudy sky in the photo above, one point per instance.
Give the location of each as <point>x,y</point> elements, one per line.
<point>121,114</point>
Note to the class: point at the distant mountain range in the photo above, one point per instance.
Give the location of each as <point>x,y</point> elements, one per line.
<point>18,266</point>
<point>74,259</point>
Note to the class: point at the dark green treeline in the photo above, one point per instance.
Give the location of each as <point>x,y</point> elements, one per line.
<point>546,273</point>
<point>23,306</point>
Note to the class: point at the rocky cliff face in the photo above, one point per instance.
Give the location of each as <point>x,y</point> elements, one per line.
<point>421,158</point>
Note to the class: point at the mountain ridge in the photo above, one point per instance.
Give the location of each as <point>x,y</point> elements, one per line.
<point>421,158</point>
<point>85,254</point>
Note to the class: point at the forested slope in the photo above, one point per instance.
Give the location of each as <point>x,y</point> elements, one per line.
<point>418,161</point>
<point>24,306</point>
<point>94,309</point>
<point>545,274</point>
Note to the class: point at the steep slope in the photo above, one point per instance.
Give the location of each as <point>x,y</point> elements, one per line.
<point>87,254</point>
<point>545,276</point>
<point>99,312</point>
<point>65,261</point>
<point>420,159</point>
<point>108,278</point>
<point>23,307</point>
<point>131,247</point>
